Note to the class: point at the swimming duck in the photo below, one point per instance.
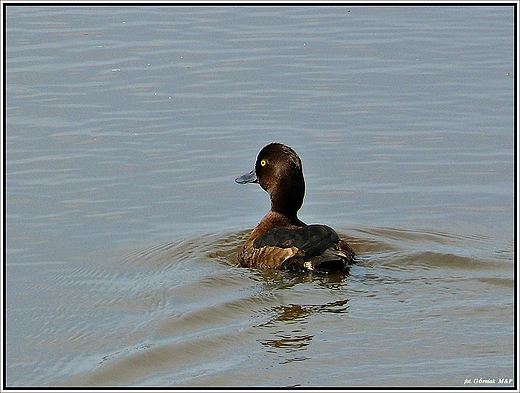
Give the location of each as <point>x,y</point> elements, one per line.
<point>281,240</point>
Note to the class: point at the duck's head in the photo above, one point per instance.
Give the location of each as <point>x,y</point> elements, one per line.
<point>279,171</point>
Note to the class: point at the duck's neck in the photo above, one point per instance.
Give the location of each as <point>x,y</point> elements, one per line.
<point>287,198</point>
<point>275,220</point>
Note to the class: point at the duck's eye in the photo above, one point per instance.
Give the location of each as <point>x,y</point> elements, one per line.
<point>263,163</point>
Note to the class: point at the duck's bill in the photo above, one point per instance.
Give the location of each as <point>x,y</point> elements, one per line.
<point>247,178</point>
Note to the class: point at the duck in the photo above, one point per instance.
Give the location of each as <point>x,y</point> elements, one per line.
<point>281,241</point>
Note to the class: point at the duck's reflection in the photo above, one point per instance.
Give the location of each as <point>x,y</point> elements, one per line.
<point>294,312</point>
<point>276,280</point>
<point>288,344</point>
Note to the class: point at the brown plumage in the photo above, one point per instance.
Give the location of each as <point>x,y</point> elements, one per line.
<point>281,240</point>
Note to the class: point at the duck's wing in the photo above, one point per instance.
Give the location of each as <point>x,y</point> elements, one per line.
<point>306,248</point>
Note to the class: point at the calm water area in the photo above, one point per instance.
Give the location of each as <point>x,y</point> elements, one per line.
<point>125,129</point>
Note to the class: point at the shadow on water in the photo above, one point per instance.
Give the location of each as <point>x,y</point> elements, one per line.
<point>184,313</point>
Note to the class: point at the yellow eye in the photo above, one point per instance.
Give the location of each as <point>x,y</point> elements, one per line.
<point>263,162</point>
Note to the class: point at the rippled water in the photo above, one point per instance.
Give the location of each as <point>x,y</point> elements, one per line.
<point>125,129</point>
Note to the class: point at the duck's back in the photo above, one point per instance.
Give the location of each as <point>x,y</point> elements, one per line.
<point>305,248</point>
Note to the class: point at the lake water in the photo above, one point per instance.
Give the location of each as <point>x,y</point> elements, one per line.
<point>126,127</point>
